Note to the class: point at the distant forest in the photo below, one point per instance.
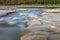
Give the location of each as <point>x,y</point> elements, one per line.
<point>29,2</point>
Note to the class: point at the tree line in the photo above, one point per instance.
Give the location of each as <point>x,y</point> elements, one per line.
<point>20,2</point>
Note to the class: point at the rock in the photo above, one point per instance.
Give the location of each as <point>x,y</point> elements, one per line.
<point>55,29</point>
<point>35,36</point>
<point>55,33</point>
<point>52,10</point>
<point>36,26</point>
<point>4,12</point>
<point>33,21</point>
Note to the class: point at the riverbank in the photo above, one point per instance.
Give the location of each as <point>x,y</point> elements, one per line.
<point>27,6</point>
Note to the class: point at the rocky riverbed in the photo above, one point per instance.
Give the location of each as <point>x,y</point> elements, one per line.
<point>50,18</point>
<point>47,28</point>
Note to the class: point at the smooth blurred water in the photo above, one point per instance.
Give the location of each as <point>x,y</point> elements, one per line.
<point>20,16</point>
